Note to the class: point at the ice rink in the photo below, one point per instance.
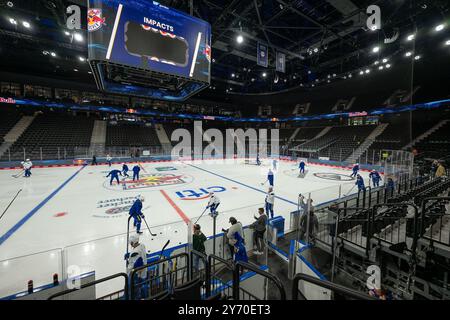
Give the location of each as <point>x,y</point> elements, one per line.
<point>71,216</point>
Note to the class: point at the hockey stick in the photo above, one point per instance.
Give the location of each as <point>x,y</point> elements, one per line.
<point>153,234</point>
<point>19,174</point>
<point>164,248</point>
<point>201,215</point>
<point>10,203</point>
<point>350,190</point>
<point>263,183</point>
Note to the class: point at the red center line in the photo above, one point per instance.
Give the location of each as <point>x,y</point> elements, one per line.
<point>177,209</point>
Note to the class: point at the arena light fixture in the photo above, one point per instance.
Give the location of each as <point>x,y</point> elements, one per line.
<point>411,37</point>
<point>78,37</point>
<point>418,57</point>
<point>376,49</point>
<point>361,72</point>
<point>439,27</point>
<point>447,43</point>
<point>388,66</point>
<point>76,70</point>
<point>380,68</point>
<point>53,54</point>
<point>240,39</point>
<point>264,74</point>
<point>350,75</point>
<point>233,75</point>
<point>253,79</point>
<point>316,50</point>
<point>82,59</point>
<point>367,71</point>
<point>328,81</point>
<point>385,60</point>
<point>26,24</point>
<point>334,75</point>
<point>408,54</point>
<point>67,33</point>
<point>309,71</point>
<point>12,21</point>
<point>45,53</point>
<point>376,62</point>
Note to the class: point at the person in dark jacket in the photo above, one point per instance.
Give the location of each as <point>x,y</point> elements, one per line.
<point>259,229</point>
<point>198,244</point>
<point>94,160</point>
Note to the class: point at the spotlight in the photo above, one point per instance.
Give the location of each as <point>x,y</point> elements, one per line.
<point>329,76</point>
<point>264,74</point>
<point>45,53</point>
<point>411,37</point>
<point>376,49</point>
<point>380,68</point>
<point>328,81</point>
<point>388,66</point>
<point>309,71</point>
<point>67,33</point>
<point>367,70</point>
<point>447,43</point>
<point>385,60</point>
<point>233,75</point>
<point>12,21</point>
<point>76,70</point>
<point>53,54</point>
<point>408,54</point>
<point>350,75</point>
<point>82,59</point>
<point>376,62</point>
<point>439,27</point>
<point>253,79</point>
<point>316,50</point>
<point>361,72</point>
<point>334,74</point>
<point>313,85</point>
<point>239,39</point>
<point>417,57</point>
<point>78,37</point>
<point>26,24</point>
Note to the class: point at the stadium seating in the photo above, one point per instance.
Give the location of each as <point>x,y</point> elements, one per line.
<point>7,121</point>
<point>131,135</point>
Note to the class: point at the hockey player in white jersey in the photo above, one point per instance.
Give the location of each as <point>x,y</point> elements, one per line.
<point>213,203</point>
<point>27,165</point>
<point>270,200</point>
<point>135,259</point>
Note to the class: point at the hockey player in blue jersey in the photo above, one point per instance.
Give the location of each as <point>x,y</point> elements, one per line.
<point>270,177</point>
<point>355,170</point>
<point>136,213</point>
<point>258,162</point>
<point>136,170</point>
<point>360,183</point>
<point>114,176</point>
<point>136,259</point>
<point>301,166</point>
<point>376,178</point>
<point>125,170</point>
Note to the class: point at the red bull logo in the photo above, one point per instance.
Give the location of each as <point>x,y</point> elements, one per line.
<point>151,180</point>
<point>95,20</point>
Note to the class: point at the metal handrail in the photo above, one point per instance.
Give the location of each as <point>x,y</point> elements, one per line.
<point>327,285</point>
<point>93,283</point>
<point>236,278</point>
<point>227,263</point>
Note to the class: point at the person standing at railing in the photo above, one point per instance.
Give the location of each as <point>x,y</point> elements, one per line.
<point>198,244</point>
<point>376,178</point>
<point>240,252</point>
<point>259,229</point>
<point>136,170</point>
<point>360,183</point>
<point>236,227</point>
<point>135,259</point>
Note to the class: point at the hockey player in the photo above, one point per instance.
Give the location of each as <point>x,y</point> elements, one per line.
<point>136,259</point>
<point>355,170</point>
<point>274,164</point>
<point>27,164</point>
<point>301,166</point>
<point>136,213</point>
<point>125,170</point>
<point>213,203</point>
<point>375,176</point>
<point>240,253</point>
<point>270,200</point>
<point>270,177</point>
<point>108,159</point>
<point>258,162</point>
<point>360,183</point>
<point>136,170</point>
<point>114,176</point>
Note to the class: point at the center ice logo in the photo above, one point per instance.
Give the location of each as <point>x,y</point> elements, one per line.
<point>151,180</point>
<point>198,194</point>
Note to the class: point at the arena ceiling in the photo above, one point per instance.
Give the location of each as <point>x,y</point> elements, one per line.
<point>324,40</point>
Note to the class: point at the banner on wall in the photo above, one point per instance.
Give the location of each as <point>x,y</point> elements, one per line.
<point>263,55</point>
<point>281,62</point>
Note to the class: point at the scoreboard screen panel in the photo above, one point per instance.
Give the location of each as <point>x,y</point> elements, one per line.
<point>147,35</point>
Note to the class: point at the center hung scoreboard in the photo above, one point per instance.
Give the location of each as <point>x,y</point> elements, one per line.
<point>143,48</point>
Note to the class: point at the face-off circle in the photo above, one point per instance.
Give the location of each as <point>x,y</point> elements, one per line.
<point>333,176</point>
